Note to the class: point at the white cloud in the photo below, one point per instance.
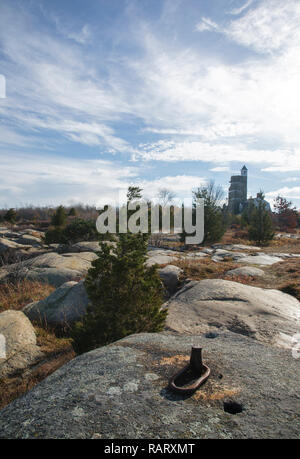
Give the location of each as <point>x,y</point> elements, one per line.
<point>237,11</point>
<point>289,166</point>
<point>9,136</point>
<point>292,179</point>
<point>209,109</point>
<point>56,87</point>
<point>82,36</point>
<point>217,153</point>
<point>271,26</point>
<point>220,169</point>
<point>206,24</point>
<point>181,185</point>
<point>290,193</point>
<point>57,180</point>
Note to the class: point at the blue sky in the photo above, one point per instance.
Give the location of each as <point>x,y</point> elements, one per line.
<point>161,93</point>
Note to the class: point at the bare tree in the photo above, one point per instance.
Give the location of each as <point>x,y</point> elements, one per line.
<point>165,196</point>
<point>211,193</point>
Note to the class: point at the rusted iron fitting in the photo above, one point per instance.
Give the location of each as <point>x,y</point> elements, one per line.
<point>192,376</point>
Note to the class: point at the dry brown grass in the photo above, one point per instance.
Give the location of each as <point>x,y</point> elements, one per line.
<point>16,296</point>
<point>231,237</point>
<point>284,245</point>
<point>284,276</point>
<point>288,276</point>
<point>247,280</point>
<point>287,270</point>
<point>49,343</point>
<point>212,391</point>
<point>57,351</point>
<point>13,387</point>
<point>175,360</point>
<point>204,268</point>
<point>216,392</point>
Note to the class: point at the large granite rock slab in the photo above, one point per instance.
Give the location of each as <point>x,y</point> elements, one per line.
<point>262,259</point>
<point>161,257</point>
<point>28,239</point>
<point>33,232</point>
<point>194,255</point>
<point>120,391</point>
<point>6,244</point>
<point>246,271</point>
<point>19,349</point>
<point>9,234</point>
<point>267,315</point>
<point>84,246</point>
<point>52,267</point>
<point>221,255</point>
<point>62,307</point>
<point>252,248</point>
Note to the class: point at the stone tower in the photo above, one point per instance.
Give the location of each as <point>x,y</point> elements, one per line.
<point>237,196</point>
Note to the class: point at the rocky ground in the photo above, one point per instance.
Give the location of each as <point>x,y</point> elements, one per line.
<point>120,391</point>
<point>240,302</point>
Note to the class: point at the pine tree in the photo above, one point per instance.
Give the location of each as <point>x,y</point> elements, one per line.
<point>60,217</point>
<point>72,212</point>
<point>261,227</point>
<point>214,225</point>
<point>246,214</point>
<point>10,216</point>
<point>134,193</point>
<point>125,295</point>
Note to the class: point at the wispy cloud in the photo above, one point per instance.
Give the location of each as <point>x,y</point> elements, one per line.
<point>150,91</point>
<point>271,26</point>
<point>206,24</point>
<point>171,151</point>
<point>172,91</point>
<point>291,193</point>
<point>180,185</point>
<point>81,36</point>
<point>220,169</point>
<point>237,11</point>
<point>53,180</point>
<point>291,179</point>
<point>56,86</point>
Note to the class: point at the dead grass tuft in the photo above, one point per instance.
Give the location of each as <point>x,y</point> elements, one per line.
<point>175,360</point>
<point>204,268</point>
<point>215,392</point>
<point>284,276</point>
<point>247,280</point>
<point>13,387</point>
<point>16,296</point>
<point>57,351</point>
<point>280,244</point>
<point>232,236</point>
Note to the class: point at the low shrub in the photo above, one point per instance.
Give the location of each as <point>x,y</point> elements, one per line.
<point>77,231</point>
<point>125,295</point>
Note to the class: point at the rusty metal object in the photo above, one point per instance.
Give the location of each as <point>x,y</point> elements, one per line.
<point>192,375</point>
